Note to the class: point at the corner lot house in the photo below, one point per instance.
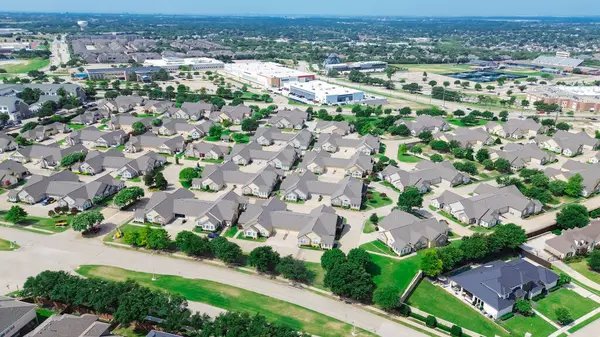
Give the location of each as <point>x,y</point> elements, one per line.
<point>516,128</point>
<point>150,142</point>
<point>289,119</point>
<point>349,192</point>
<point>468,138</point>
<point>425,123</point>
<point>575,241</point>
<point>332,142</point>
<point>204,150</point>
<point>216,177</point>
<point>125,122</point>
<point>44,156</point>
<point>244,154</point>
<point>498,285</point>
<point>340,128</point>
<point>489,203</point>
<point>92,137</point>
<point>182,127</point>
<point>14,107</point>
<point>192,111</point>
<point>233,114</point>
<point>358,166</point>
<point>589,172</point>
<point>11,172</point>
<point>43,132</point>
<point>141,165</point>
<point>96,162</point>
<point>425,174</point>
<point>567,143</point>
<point>7,143</point>
<point>404,233</point>
<point>520,156</point>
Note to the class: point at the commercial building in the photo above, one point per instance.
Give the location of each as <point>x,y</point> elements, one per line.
<point>325,93</point>
<point>582,99</point>
<point>360,66</point>
<point>267,74</point>
<point>175,63</point>
<point>141,73</point>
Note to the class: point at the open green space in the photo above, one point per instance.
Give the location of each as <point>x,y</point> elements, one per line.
<point>41,223</point>
<point>5,245</point>
<point>584,323</point>
<point>577,304</point>
<point>369,226</point>
<point>231,232</point>
<point>435,68</point>
<point>408,158</point>
<point>25,66</point>
<point>76,126</point>
<point>438,302</point>
<point>377,247</point>
<point>376,200</point>
<point>519,325</point>
<point>399,273</point>
<point>230,298</point>
<point>316,268</point>
<point>582,268</point>
<point>458,122</point>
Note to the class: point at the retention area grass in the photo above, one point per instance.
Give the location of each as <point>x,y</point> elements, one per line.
<point>6,246</point>
<point>520,325</point>
<point>575,303</point>
<point>399,273</point>
<point>25,66</point>
<point>445,68</point>
<point>458,122</point>
<point>438,302</point>
<point>583,269</point>
<point>230,298</point>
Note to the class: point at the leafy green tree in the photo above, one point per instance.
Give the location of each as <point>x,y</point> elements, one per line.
<point>573,216</point>
<point>138,128</point>
<point>425,136</point>
<point>563,126</point>
<point>574,186</point>
<point>563,315</point>
<point>475,246</point>
<point>215,131</point>
<point>15,214</point>
<point>249,125</point>
<point>332,257</point>
<point>451,256</point>
<point>523,307</point>
<point>160,182</point>
<point>226,251</point>
<point>350,280</point>
<point>360,257</point>
<point>387,297</point>
<point>502,165</point>
<point>264,259</point>
<point>192,244</point>
<point>436,158</point>
<point>295,270</point>
<point>374,219</point>
<point>482,155</point>
<point>158,239</point>
<point>410,198</point>
<point>439,145</point>
<point>72,158</point>
<point>557,187</point>
<point>594,260</point>
<point>83,222</point>
<point>431,264</point>
<point>510,235</point>
<point>128,196</point>
<point>157,122</point>
<point>188,174</point>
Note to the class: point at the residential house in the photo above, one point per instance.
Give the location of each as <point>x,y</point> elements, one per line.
<point>515,128</point>
<point>424,175</point>
<point>349,192</point>
<point>141,165</point>
<point>171,127</point>
<point>567,143</point>
<point>128,103</point>
<point>289,119</point>
<point>269,136</point>
<point>157,107</point>
<point>43,132</point>
<point>91,137</point>
<point>575,241</point>
<point>316,229</point>
<point>204,150</point>
<point>244,154</point>
<point>96,162</point>
<point>424,123</point>
<point>149,141</point>
<point>520,156</point>
<point>340,128</point>
<point>7,143</point>
<point>589,172</point>
<point>67,189</point>
<point>11,172</point>
<point>404,233</point>
<point>211,216</point>
<point>358,166</point>
<point>18,318</point>
<point>87,118</point>
<point>497,285</point>
<point>232,113</point>
<point>126,121</point>
<point>45,89</point>
<point>332,142</point>
<point>193,111</point>
<point>14,107</point>
<point>216,177</point>
<point>488,204</point>
<point>69,325</point>
<point>467,138</point>
<point>45,156</point>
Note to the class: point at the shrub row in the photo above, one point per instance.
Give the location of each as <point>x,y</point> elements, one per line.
<point>507,316</point>
<point>431,322</point>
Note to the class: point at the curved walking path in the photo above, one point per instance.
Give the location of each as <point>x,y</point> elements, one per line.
<point>69,250</point>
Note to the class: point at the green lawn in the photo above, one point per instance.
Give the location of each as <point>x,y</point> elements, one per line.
<point>76,126</point>
<point>408,158</point>
<point>136,180</point>
<point>577,304</point>
<point>26,66</point>
<point>5,245</point>
<point>584,323</point>
<point>230,298</point>
<point>369,226</point>
<point>129,332</point>
<point>435,68</point>
<point>440,303</point>
<point>214,161</point>
<point>60,142</point>
<point>377,200</point>
<point>240,138</point>
<point>120,148</point>
<point>43,314</point>
<point>519,325</point>
<point>388,271</point>
<point>319,274</point>
<point>582,268</point>
<point>378,247</point>
<point>41,223</point>
<point>458,122</point>
<point>231,232</point>
<point>386,184</point>
<point>102,127</point>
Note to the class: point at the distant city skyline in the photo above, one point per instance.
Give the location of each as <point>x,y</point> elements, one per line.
<point>315,7</point>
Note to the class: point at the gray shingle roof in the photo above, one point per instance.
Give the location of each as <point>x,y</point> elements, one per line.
<point>71,326</point>
<point>12,311</point>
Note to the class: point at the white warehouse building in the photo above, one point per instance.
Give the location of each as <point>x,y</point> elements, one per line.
<point>267,74</point>
<point>325,93</point>
<point>174,63</point>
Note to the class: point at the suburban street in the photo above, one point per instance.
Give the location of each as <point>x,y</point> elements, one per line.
<point>69,250</point>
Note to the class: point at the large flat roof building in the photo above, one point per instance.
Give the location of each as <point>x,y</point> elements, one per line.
<point>267,74</point>
<point>174,63</point>
<point>583,99</point>
<point>361,66</point>
<point>323,92</point>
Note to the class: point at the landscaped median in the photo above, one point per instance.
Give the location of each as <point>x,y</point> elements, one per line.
<point>230,298</point>
<point>7,245</point>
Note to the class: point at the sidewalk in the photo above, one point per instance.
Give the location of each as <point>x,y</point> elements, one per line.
<point>565,328</point>
<point>576,275</point>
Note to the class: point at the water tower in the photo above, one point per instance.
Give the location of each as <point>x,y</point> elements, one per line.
<point>82,24</point>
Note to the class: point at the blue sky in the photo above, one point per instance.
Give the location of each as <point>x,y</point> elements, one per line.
<point>318,7</point>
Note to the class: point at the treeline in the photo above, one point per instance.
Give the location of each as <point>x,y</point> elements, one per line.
<point>129,302</point>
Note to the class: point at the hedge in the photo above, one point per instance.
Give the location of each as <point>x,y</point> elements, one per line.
<point>417,316</point>
<point>431,321</point>
<point>555,288</point>
<point>507,316</point>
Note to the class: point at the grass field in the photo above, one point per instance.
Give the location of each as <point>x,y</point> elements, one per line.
<point>377,200</point>
<point>26,66</point>
<point>41,223</point>
<point>408,158</point>
<point>230,298</point>
<point>520,325</point>
<point>394,272</point>
<point>577,304</point>
<point>435,68</point>
<point>582,268</point>
<point>5,245</point>
<point>458,122</point>
<point>436,301</point>
<point>76,126</point>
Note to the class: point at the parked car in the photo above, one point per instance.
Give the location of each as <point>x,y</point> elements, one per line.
<point>213,235</point>
<point>45,201</point>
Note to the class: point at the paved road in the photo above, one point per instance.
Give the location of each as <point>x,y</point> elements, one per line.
<point>68,250</point>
